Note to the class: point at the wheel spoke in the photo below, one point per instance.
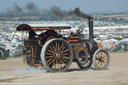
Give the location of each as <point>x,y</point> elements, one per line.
<point>65,51</point>
<point>103,55</point>
<point>58,47</point>
<point>50,51</point>
<point>65,54</point>
<point>66,57</point>
<point>57,63</point>
<point>60,63</point>
<point>105,58</point>
<point>51,62</point>
<point>100,64</point>
<point>61,46</point>
<point>62,49</point>
<point>49,56</point>
<point>54,48</point>
<point>97,56</point>
<point>51,48</point>
<point>49,59</point>
<point>100,54</point>
<point>103,64</point>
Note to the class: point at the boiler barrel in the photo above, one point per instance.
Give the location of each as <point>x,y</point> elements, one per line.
<point>92,46</point>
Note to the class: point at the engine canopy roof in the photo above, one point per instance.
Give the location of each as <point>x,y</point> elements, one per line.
<point>40,27</point>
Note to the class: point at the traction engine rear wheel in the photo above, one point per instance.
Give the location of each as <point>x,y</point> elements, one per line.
<point>56,55</point>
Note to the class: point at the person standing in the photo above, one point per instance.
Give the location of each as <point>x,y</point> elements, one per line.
<point>122,47</point>
<point>113,45</point>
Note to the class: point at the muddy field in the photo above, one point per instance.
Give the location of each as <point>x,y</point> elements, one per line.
<point>14,72</point>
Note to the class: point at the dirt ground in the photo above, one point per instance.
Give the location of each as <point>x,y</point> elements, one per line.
<point>14,72</point>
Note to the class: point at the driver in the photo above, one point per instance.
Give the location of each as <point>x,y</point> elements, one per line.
<point>32,34</point>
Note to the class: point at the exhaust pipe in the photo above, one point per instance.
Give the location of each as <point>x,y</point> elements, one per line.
<point>90,28</point>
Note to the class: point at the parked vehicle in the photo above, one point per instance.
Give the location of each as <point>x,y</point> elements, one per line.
<point>3,52</point>
<point>122,46</point>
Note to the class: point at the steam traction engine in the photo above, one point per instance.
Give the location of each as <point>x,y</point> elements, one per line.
<point>56,51</point>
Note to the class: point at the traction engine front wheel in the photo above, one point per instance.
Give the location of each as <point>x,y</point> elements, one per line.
<point>101,59</point>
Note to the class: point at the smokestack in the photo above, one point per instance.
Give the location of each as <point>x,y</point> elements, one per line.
<point>90,29</point>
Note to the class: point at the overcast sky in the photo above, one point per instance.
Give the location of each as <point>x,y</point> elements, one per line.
<point>88,6</point>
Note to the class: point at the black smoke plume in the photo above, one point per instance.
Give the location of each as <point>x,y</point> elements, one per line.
<point>80,14</point>
<point>17,8</point>
<point>62,13</point>
<point>31,9</point>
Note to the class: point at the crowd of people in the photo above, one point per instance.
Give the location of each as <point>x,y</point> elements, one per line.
<point>119,47</point>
